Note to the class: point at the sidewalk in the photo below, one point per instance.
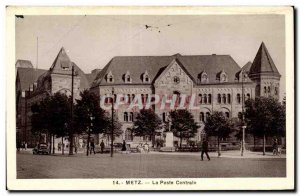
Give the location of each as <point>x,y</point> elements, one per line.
<point>226,154</point>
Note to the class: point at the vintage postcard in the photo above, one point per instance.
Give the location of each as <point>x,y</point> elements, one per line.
<point>150,98</point>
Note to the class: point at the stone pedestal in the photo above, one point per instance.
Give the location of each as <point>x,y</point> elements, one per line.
<point>169,139</point>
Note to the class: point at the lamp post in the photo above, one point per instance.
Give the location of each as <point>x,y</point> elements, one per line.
<point>71,131</point>
<point>112,123</point>
<point>243,116</point>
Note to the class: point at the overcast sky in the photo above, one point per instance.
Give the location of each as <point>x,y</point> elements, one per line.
<point>91,41</point>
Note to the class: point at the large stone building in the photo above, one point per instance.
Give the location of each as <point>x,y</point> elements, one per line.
<point>217,81</point>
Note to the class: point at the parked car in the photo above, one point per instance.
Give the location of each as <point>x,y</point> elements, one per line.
<point>41,149</point>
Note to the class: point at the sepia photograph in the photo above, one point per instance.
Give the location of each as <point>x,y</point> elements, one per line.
<point>139,98</point>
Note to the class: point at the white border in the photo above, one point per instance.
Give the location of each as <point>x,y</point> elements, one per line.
<point>203,183</point>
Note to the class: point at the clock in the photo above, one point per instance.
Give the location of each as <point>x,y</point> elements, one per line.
<point>176,80</point>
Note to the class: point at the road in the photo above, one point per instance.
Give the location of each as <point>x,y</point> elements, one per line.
<point>144,166</point>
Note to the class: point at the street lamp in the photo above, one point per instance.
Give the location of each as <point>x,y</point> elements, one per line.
<point>243,115</point>
<point>112,123</point>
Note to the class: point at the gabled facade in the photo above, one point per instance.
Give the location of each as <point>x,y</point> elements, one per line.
<point>216,80</point>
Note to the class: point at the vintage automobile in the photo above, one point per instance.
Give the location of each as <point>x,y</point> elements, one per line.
<point>41,148</point>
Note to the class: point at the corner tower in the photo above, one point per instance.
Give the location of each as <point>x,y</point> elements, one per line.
<point>265,74</point>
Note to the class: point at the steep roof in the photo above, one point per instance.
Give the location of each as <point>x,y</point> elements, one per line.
<point>62,61</point>
<point>154,65</point>
<point>247,66</point>
<point>63,65</point>
<point>28,76</point>
<point>263,63</point>
<point>23,64</point>
<point>91,76</point>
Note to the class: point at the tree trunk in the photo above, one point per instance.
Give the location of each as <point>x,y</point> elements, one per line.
<point>62,146</point>
<point>264,144</point>
<point>53,147</point>
<point>88,144</point>
<point>50,147</point>
<point>180,142</point>
<point>153,140</point>
<point>219,147</point>
<point>254,143</point>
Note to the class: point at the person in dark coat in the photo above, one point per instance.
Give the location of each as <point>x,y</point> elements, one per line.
<point>204,149</point>
<point>102,146</point>
<point>92,147</point>
<point>124,146</point>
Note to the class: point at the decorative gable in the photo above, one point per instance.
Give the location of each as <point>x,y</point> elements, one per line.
<point>222,76</point>
<point>203,77</point>
<point>109,77</point>
<point>145,77</point>
<point>174,75</point>
<point>127,78</point>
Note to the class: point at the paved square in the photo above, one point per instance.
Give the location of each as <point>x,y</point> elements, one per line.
<point>152,165</point>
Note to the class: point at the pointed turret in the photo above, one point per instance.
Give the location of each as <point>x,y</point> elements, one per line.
<point>265,74</point>
<point>263,63</point>
<point>62,61</point>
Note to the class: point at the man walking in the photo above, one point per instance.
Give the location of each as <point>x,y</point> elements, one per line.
<point>204,149</point>
<point>102,146</point>
<point>92,147</point>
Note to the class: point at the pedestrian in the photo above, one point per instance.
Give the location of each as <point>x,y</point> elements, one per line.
<point>204,149</point>
<point>102,146</point>
<point>146,147</point>
<point>18,146</point>
<point>275,146</point>
<point>92,147</point>
<point>25,145</point>
<point>75,146</point>
<point>124,146</point>
<point>59,146</point>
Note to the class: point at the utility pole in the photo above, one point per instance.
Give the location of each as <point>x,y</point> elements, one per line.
<point>71,131</point>
<point>243,116</point>
<point>112,123</point>
<point>37,52</point>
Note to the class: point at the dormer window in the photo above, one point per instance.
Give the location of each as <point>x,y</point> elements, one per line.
<point>127,77</point>
<point>203,77</point>
<point>223,77</point>
<point>145,77</point>
<point>110,77</point>
<point>243,76</point>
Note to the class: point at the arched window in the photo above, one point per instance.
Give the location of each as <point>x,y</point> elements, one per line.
<point>228,98</point>
<point>209,98</point>
<point>276,91</point>
<point>207,115</point>
<point>146,98</point>
<point>269,89</point>
<point>265,89</point>
<point>110,77</point>
<point>146,77</point>
<point>201,116</point>
<point>143,98</point>
<point>227,114</point>
<point>219,98</point>
<point>238,98</point>
<point>129,98</point>
<point>130,116</point>
<point>125,117</point>
<point>248,96</point>
<point>127,77</point>
<point>203,77</point>
<point>128,135</point>
<point>224,98</point>
<point>200,98</point>
<point>205,99</point>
